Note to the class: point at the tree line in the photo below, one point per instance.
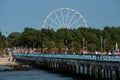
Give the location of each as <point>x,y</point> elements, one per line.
<point>91,38</point>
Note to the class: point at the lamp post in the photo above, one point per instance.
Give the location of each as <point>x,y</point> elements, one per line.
<point>83,42</point>
<point>42,42</point>
<point>86,45</point>
<point>6,44</point>
<point>83,49</point>
<point>101,43</point>
<point>6,40</point>
<point>66,43</point>
<point>66,40</point>
<point>104,45</point>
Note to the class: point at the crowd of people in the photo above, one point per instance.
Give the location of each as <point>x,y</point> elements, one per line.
<point>55,50</point>
<point>39,51</point>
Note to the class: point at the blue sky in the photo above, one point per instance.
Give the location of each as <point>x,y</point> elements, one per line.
<point>15,15</point>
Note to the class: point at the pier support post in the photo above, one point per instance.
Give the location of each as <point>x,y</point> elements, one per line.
<point>77,69</point>
<point>117,75</point>
<point>90,70</point>
<point>106,73</point>
<point>70,68</point>
<point>109,74</point>
<point>81,69</point>
<point>119,72</point>
<point>73,69</point>
<point>85,69</point>
<point>114,75</point>
<point>96,72</point>
<point>93,72</point>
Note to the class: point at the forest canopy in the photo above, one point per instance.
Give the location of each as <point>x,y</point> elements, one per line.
<point>90,38</point>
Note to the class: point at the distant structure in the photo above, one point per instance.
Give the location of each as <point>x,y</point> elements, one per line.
<point>116,46</point>
<point>64,18</point>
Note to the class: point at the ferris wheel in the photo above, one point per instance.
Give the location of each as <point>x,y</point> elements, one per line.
<point>64,18</point>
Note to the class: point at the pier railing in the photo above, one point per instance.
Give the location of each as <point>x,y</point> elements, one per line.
<point>93,57</point>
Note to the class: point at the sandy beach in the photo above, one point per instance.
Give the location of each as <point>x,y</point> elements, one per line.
<point>7,61</point>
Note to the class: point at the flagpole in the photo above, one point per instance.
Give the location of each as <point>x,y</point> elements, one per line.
<point>6,39</point>
<point>101,43</point>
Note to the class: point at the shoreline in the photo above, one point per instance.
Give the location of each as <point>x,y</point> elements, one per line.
<point>6,64</point>
<point>5,68</point>
<point>9,64</point>
<point>7,61</point>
